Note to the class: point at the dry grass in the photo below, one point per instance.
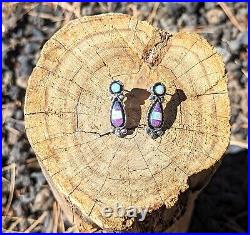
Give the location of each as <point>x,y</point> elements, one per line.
<point>12,169</point>
<point>57,222</point>
<point>231,16</point>
<point>36,222</point>
<point>153,13</point>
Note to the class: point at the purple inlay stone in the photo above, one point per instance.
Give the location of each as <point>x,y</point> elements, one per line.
<point>156,114</point>
<point>117,116</point>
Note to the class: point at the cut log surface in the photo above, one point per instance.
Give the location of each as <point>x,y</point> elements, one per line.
<point>67,119</point>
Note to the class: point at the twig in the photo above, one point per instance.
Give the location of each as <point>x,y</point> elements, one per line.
<point>244,126</point>
<point>30,7</point>
<point>61,224</point>
<point>12,104</point>
<point>14,224</point>
<point>103,6</point>
<point>20,122</point>
<point>6,230</point>
<point>55,217</point>
<point>134,11</point>
<point>70,8</point>
<point>242,214</point>
<point>231,16</point>
<point>38,221</point>
<point>16,217</point>
<point>151,17</point>
<point>72,229</point>
<point>4,180</point>
<point>46,16</point>
<point>13,130</point>
<point>110,6</point>
<point>12,168</point>
<point>30,160</point>
<point>200,29</point>
<point>244,72</point>
<point>233,225</point>
<point>77,9</point>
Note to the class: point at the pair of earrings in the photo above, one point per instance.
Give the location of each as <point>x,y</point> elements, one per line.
<point>155,113</point>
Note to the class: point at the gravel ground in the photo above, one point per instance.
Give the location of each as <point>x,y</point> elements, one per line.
<point>222,206</point>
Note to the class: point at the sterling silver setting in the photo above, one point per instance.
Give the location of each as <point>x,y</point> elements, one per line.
<point>155,113</point>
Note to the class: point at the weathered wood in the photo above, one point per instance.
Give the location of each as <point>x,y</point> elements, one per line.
<point>67,121</point>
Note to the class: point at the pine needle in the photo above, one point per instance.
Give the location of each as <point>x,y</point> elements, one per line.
<point>12,168</point>
<point>36,222</point>
<point>231,16</point>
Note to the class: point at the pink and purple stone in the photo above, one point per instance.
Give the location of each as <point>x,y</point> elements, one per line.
<point>117,114</point>
<point>155,117</point>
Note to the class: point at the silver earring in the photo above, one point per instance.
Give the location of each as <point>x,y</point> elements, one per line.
<point>117,111</point>
<point>155,113</point>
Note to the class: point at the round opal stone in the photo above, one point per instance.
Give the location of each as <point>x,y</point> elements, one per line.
<point>115,87</point>
<point>159,89</point>
<point>156,115</point>
<point>117,114</point>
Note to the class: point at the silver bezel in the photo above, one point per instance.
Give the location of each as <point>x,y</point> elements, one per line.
<point>155,132</point>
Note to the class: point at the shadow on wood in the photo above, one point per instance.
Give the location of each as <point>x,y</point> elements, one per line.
<point>135,98</point>
<point>170,111</point>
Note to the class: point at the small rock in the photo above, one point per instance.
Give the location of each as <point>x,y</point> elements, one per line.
<point>14,92</point>
<point>43,200</point>
<point>19,115</point>
<point>28,197</point>
<point>25,66</point>
<point>234,46</point>
<point>233,149</point>
<point>12,139</point>
<point>210,5</point>
<point>225,54</point>
<point>174,10</point>
<point>23,181</point>
<point>192,7</point>
<point>187,20</point>
<point>22,82</point>
<point>31,48</point>
<point>242,15</point>
<point>234,32</point>
<point>242,38</point>
<point>40,179</point>
<point>15,151</point>
<point>232,66</point>
<point>17,207</point>
<point>5,148</point>
<point>37,34</point>
<point>226,33</point>
<point>215,16</point>
<point>4,199</point>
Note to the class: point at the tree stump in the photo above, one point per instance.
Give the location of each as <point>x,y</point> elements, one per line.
<point>68,125</point>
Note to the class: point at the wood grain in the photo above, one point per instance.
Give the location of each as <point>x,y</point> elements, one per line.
<point>67,115</point>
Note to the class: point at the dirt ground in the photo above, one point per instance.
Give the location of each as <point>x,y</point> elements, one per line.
<point>27,203</point>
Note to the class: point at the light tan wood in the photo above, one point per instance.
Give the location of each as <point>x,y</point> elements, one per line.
<point>67,117</point>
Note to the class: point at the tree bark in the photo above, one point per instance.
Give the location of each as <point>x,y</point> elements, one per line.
<point>67,121</point>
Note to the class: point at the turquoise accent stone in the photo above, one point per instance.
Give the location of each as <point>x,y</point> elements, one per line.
<point>115,88</point>
<point>159,89</point>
